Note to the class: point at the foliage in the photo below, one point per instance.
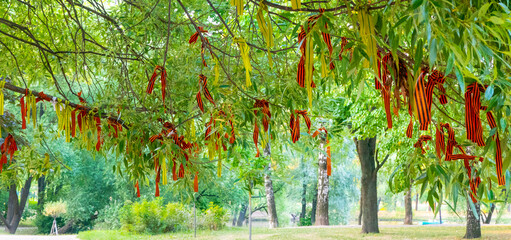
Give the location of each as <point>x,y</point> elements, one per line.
<point>102,53</point>
<point>108,217</point>
<point>215,217</point>
<point>305,222</point>
<point>44,223</point>
<point>55,209</point>
<point>153,217</point>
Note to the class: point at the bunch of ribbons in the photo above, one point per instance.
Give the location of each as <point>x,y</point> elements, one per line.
<point>158,71</point>
<point>203,81</point>
<point>193,39</point>
<point>8,147</point>
<point>306,64</point>
<point>474,127</point>
<point>294,124</point>
<point>264,107</point>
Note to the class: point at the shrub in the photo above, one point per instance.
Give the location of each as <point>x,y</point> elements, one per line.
<point>55,209</point>
<point>44,223</point>
<point>177,217</point>
<point>215,217</point>
<point>152,217</point>
<point>305,222</point>
<point>108,218</point>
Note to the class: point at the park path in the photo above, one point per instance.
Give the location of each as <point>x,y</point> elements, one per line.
<point>37,237</point>
<point>399,225</point>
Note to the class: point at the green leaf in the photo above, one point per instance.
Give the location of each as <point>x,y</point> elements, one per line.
<point>450,63</point>
<point>473,208</point>
<point>415,4</point>
<point>432,53</point>
<point>496,20</point>
<point>461,81</point>
<point>418,56</point>
<point>489,92</point>
<point>482,11</point>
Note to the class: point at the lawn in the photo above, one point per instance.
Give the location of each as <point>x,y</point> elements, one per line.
<point>308,233</point>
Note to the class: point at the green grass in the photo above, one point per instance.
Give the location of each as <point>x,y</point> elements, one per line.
<point>308,233</point>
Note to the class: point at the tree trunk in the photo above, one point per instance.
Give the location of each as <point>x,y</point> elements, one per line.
<point>360,212</point>
<point>304,191</point>
<point>473,224</point>
<point>490,214</point>
<point>241,216</point>
<point>270,197</point>
<point>15,206</point>
<point>270,201</point>
<point>314,201</point>
<point>66,228</point>
<point>366,154</point>
<point>417,202</point>
<point>408,207</point>
<point>322,199</point>
<point>234,218</point>
<point>440,212</point>
<point>41,187</point>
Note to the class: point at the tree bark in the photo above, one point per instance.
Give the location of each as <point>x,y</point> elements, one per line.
<point>408,207</point>
<point>41,187</point>
<point>417,202</point>
<point>234,218</point>
<point>15,206</point>
<point>322,196</point>
<point>366,154</point>
<point>490,214</point>
<point>360,212</point>
<point>270,201</point>
<point>314,201</point>
<point>241,216</point>
<point>304,191</point>
<point>473,229</point>
<point>270,196</point>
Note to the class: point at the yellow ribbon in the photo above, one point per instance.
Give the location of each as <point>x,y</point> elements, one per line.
<point>2,84</point>
<point>244,52</point>
<point>164,170</point>
<point>295,4</point>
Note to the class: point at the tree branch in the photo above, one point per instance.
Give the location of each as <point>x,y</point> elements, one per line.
<point>13,88</point>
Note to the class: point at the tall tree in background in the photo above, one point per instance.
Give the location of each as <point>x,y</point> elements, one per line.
<point>323,184</point>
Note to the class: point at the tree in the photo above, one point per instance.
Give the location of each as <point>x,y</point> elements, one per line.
<point>323,188</point>
<point>270,197</point>
<point>97,58</point>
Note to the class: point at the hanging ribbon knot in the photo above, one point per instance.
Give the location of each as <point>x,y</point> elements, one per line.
<point>203,81</point>
<point>138,189</point>
<point>82,100</point>
<point>24,110</point>
<point>8,147</point>
<point>498,151</point>
<point>196,182</point>
<point>264,107</point>
<point>194,38</point>
<point>472,118</point>
<point>422,139</point>
<point>295,124</point>
<point>98,129</point>
<point>158,70</point>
